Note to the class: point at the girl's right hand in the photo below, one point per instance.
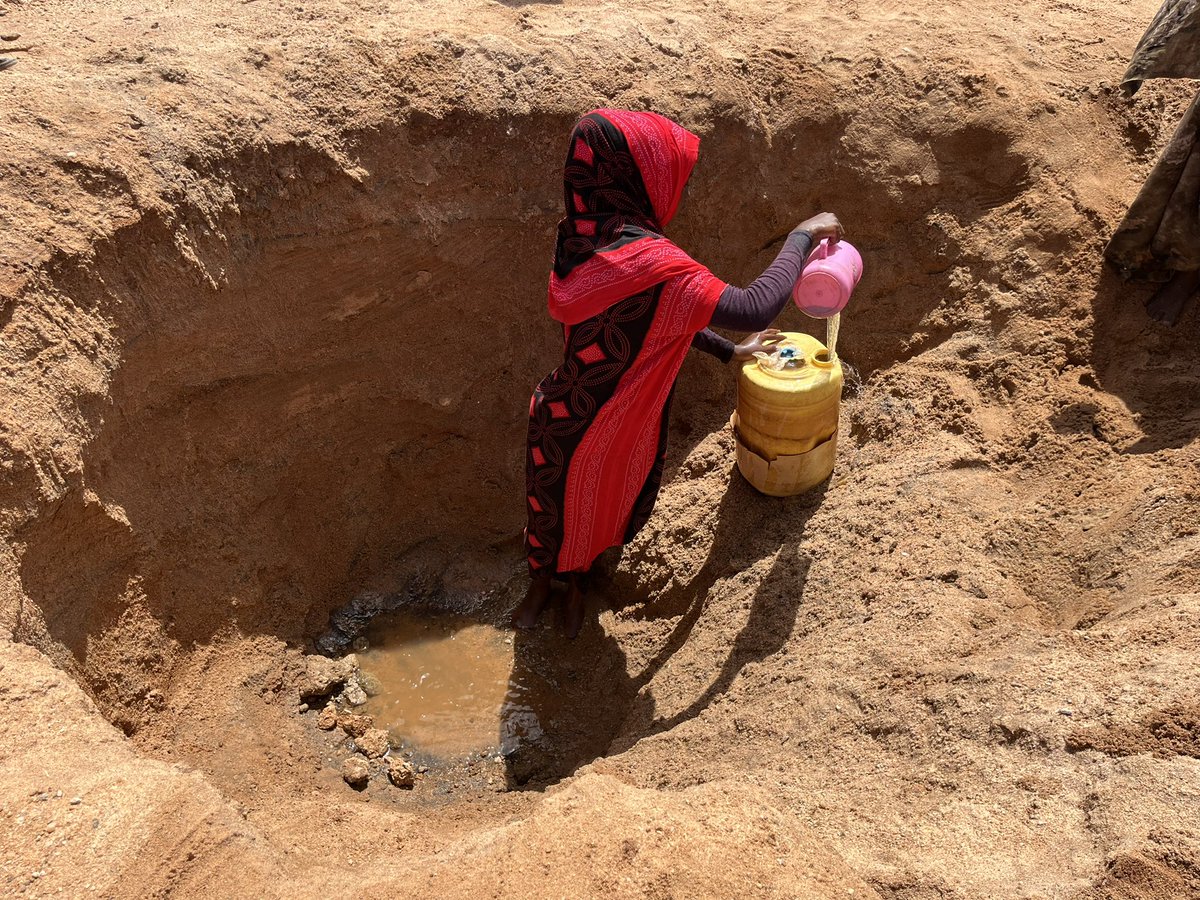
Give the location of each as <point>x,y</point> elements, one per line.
<point>823,225</point>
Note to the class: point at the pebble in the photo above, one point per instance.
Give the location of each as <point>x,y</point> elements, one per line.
<point>328,718</point>
<point>354,693</point>
<point>353,724</point>
<point>356,772</point>
<point>401,773</point>
<point>370,684</point>
<point>75,801</point>
<point>373,742</point>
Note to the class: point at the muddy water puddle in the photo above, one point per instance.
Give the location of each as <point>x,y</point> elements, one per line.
<point>445,685</point>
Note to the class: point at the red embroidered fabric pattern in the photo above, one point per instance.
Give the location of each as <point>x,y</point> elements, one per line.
<point>630,302</point>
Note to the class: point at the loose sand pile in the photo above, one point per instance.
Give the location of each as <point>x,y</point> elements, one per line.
<point>236,239</point>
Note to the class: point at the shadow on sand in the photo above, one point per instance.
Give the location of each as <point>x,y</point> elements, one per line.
<point>580,697</point>
<point>1153,368</point>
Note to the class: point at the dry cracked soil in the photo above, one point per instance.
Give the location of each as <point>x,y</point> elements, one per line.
<point>272,301</point>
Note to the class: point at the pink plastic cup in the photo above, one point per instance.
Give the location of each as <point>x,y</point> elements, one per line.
<point>829,278</point>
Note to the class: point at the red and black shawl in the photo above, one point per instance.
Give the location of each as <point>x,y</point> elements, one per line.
<point>630,302</point>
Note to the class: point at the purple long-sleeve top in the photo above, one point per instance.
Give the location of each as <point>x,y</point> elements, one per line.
<point>757,306</point>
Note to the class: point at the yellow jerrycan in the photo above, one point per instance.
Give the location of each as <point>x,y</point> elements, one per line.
<point>786,422</point>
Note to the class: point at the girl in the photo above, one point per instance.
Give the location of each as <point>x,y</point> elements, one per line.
<point>631,304</point>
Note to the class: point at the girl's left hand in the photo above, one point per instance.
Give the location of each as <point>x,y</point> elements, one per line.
<point>762,342</point>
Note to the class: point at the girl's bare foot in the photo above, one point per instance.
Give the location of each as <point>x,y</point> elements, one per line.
<point>573,609</point>
<point>1167,305</point>
<point>536,598</point>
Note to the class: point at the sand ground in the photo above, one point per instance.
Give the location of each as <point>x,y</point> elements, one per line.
<point>236,236</point>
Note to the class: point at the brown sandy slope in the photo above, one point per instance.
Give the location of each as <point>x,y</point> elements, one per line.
<point>229,235</point>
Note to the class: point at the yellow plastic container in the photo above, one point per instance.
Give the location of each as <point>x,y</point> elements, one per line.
<point>786,422</point>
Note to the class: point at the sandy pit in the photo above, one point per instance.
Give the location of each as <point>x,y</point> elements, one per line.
<point>272,288</point>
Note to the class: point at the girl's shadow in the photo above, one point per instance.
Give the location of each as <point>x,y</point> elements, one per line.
<point>572,702</point>
<point>566,700</point>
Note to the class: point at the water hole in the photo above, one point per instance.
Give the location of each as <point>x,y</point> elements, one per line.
<point>269,436</point>
<point>275,396</point>
<point>447,686</point>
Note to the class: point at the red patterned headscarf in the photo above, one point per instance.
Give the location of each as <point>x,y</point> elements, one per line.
<point>623,180</point>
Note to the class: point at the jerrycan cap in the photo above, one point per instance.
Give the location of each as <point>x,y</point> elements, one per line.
<point>789,361</point>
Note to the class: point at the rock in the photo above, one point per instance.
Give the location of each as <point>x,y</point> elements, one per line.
<point>356,772</point>
<point>354,725</point>
<point>354,693</point>
<point>401,773</point>
<point>322,677</point>
<point>327,719</point>
<point>373,742</point>
<point>351,620</point>
<point>332,642</point>
<point>370,684</point>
